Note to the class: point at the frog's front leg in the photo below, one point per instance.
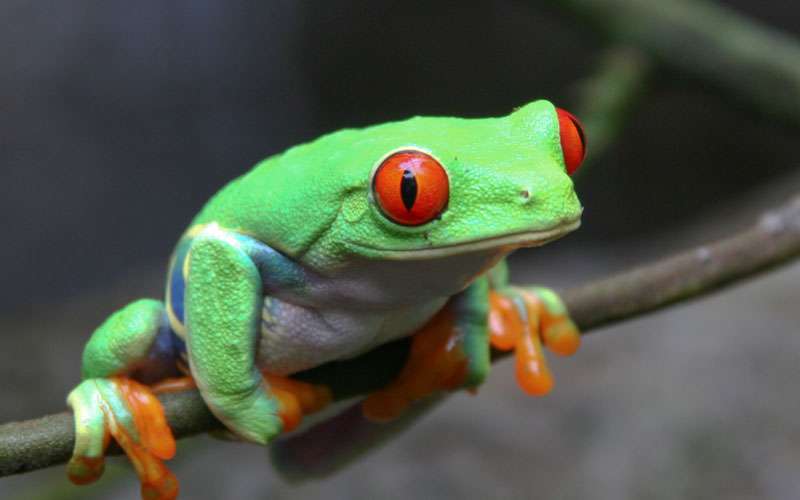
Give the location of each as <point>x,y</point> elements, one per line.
<point>525,318</point>
<point>453,349</point>
<point>223,313</point>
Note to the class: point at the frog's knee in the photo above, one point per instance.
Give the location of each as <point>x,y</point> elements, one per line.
<point>130,339</point>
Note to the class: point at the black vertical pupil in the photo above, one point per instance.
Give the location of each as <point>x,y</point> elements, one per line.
<point>408,189</point>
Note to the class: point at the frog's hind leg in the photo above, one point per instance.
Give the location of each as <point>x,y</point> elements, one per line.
<point>450,352</point>
<point>135,343</point>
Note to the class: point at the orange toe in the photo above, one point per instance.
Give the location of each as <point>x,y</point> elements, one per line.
<point>561,336</point>
<point>85,470</point>
<point>297,398</point>
<point>532,372</point>
<point>155,442</point>
<point>508,330</point>
<point>505,325</point>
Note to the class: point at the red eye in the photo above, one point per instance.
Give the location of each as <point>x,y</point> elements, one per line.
<point>411,187</point>
<point>573,141</point>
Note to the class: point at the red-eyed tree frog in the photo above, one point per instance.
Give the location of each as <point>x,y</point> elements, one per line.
<point>326,251</point>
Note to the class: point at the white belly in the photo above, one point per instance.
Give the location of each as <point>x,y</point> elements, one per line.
<point>294,338</point>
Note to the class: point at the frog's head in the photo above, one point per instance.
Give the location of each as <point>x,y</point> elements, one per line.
<point>418,191</point>
<point>435,187</point>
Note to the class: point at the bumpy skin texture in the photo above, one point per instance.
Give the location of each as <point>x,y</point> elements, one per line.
<point>294,264</point>
<point>224,296</point>
<point>312,202</point>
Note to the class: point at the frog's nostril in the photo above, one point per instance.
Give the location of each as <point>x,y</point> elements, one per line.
<point>525,194</point>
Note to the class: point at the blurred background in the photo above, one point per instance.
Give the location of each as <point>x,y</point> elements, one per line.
<point>119,119</point>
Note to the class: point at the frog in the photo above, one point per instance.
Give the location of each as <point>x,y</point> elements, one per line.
<point>327,251</point>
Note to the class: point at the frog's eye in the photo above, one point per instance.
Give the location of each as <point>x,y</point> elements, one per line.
<point>573,141</point>
<point>411,187</point>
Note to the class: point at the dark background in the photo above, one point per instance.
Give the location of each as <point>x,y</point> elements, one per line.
<point>119,119</point>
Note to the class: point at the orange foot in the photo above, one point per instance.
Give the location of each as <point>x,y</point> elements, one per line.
<point>295,398</point>
<point>130,412</point>
<point>436,362</point>
<point>523,319</point>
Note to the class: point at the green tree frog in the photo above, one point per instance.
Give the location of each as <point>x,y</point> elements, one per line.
<point>326,251</point>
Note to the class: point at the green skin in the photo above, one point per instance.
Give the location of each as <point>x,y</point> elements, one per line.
<point>300,242</point>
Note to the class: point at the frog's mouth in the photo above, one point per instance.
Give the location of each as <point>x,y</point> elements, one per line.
<point>505,243</point>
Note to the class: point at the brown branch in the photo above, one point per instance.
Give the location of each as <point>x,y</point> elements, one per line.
<point>774,239</point>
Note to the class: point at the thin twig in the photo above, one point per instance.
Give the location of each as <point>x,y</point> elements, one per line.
<point>604,100</point>
<point>753,62</point>
<point>774,239</point>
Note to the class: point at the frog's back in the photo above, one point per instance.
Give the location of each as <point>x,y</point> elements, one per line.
<point>278,202</point>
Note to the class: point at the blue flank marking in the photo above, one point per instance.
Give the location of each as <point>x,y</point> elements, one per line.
<point>178,344</point>
<point>167,345</point>
<point>176,282</point>
<point>168,350</point>
<point>277,272</point>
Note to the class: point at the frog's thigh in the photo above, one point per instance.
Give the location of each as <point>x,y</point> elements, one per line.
<point>223,312</point>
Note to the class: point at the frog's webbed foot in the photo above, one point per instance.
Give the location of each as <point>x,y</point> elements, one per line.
<point>130,413</point>
<point>525,318</point>
<point>436,362</point>
<point>450,353</point>
<point>296,398</point>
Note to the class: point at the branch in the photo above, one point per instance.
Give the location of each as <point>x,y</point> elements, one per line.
<point>604,100</point>
<point>774,239</point>
<point>751,61</point>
